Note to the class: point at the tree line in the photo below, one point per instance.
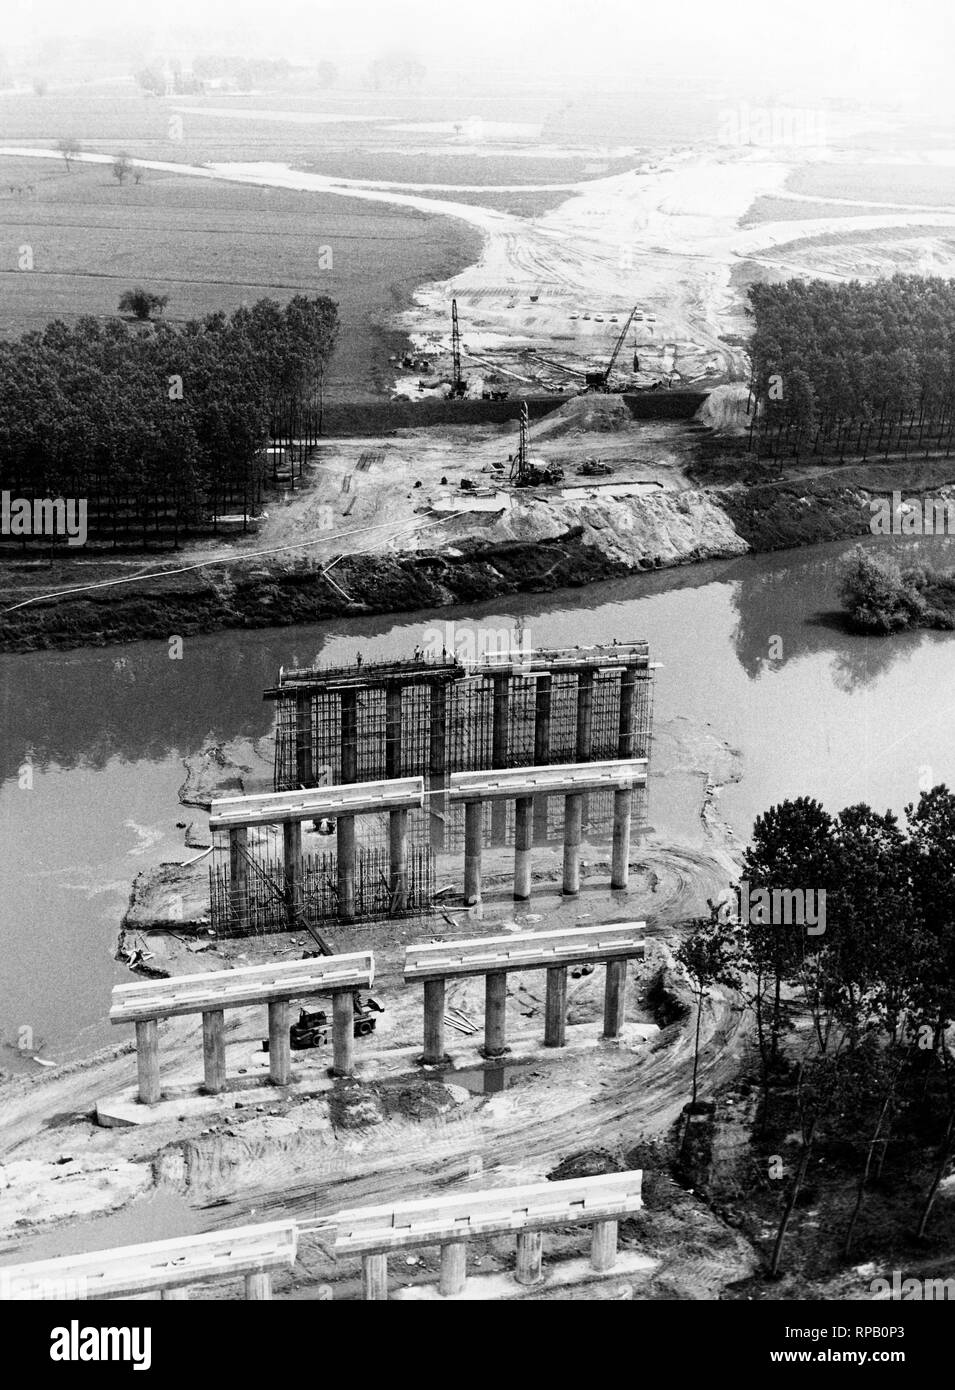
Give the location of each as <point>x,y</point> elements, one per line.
<point>853,1023</point>
<point>853,368</point>
<point>161,426</point>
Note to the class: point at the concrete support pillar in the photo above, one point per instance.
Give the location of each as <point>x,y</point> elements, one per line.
<point>530,1249</point>
<point>147,1061</point>
<point>628,688</point>
<point>454,1268</point>
<point>555,1007</point>
<point>603,1245</point>
<point>374,1278</point>
<point>393,731</point>
<point>439,811</point>
<point>349,735</point>
<point>178,1295</point>
<point>213,1050</point>
<point>614,1000</point>
<point>620,861</point>
<point>259,1286</point>
<point>573,815</point>
<point>523,845</point>
<point>585,715</point>
<point>398,859</point>
<point>473,811</point>
<point>434,1006</point>
<point>343,1033</point>
<point>304,740</point>
<point>345,840</point>
<point>495,1006</point>
<point>239,877</point>
<point>280,1053</point>
<point>292,856</point>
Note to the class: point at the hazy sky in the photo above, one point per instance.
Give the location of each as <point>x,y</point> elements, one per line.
<point>832,43</point>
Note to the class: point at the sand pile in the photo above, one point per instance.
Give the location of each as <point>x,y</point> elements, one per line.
<point>724,409</point>
<point>582,415</point>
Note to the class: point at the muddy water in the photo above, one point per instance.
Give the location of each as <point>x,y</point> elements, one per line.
<point>750,649</point>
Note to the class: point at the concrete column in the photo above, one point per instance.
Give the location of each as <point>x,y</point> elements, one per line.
<point>147,1061</point>
<point>239,876</point>
<point>280,1054</point>
<point>530,1249</point>
<point>398,859</point>
<point>292,856</point>
<point>603,1245</point>
<point>393,731</point>
<point>454,1267</point>
<point>439,811</point>
<point>495,1004</point>
<point>304,734</point>
<point>177,1295</point>
<point>434,1005</point>
<point>614,992</point>
<point>374,1278</point>
<point>620,862</point>
<point>259,1286</point>
<point>343,1033</point>
<point>523,845</point>
<point>628,687</point>
<point>345,840</point>
<point>213,1050</point>
<point>473,811</point>
<point>585,714</point>
<point>555,1007</point>
<point>573,815</point>
<point>349,735</point>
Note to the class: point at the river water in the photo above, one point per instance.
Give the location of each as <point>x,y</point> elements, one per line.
<point>752,649</point>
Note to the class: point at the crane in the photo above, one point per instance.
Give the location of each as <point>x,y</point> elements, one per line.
<point>600,380</point>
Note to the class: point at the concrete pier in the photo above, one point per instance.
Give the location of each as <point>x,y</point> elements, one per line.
<point>523,845</point>
<point>472,852</point>
<point>349,735</point>
<point>495,1005</point>
<point>147,1061</point>
<point>213,1051</point>
<point>555,1008</point>
<point>292,858</point>
<point>374,1278</point>
<point>259,1286</point>
<point>280,1052</point>
<point>343,1033</point>
<point>614,991</point>
<point>620,859</point>
<point>573,818</point>
<point>530,1250</point>
<point>603,1245</point>
<point>393,731</point>
<point>454,1267</point>
<point>628,688</point>
<point>239,876</point>
<point>542,702</point>
<point>305,740</point>
<point>585,714</point>
<point>434,1007</point>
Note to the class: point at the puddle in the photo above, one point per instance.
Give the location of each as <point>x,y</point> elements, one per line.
<point>486,1081</point>
<point>161,1216</point>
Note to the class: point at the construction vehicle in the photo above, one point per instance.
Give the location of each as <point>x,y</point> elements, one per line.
<point>311,1028</point>
<point>459,386</point>
<point>527,472</point>
<point>594,468</point>
<point>600,380</point>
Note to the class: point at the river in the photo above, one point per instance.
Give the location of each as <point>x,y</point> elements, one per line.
<point>751,649</point>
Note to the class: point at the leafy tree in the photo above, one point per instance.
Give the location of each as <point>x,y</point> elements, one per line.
<point>142,303</point>
<point>69,149</point>
<point>708,954</point>
<point>121,168</point>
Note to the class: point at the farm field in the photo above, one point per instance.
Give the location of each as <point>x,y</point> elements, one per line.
<point>211,246</point>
